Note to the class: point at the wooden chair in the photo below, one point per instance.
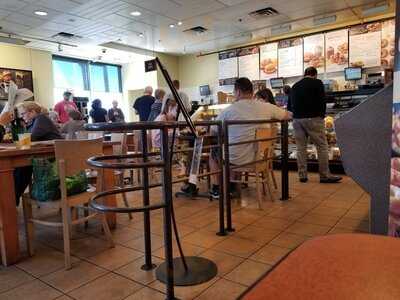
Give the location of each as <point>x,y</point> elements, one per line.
<point>69,162</point>
<point>261,171</point>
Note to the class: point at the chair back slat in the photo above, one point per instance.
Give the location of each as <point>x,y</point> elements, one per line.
<point>265,148</point>
<point>75,153</point>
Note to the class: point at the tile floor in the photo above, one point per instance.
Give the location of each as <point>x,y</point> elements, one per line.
<point>261,239</point>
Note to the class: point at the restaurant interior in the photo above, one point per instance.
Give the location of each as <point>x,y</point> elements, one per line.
<point>127,207</point>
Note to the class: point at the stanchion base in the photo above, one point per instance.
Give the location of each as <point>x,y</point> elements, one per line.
<point>199,270</point>
<point>223,233</point>
<point>231,229</point>
<point>148,268</point>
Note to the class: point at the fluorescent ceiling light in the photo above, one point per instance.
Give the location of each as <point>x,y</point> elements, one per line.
<point>281,29</point>
<point>136,13</point>
<point>324,20</point>
<point>377,9</point>
<point>41,13</point>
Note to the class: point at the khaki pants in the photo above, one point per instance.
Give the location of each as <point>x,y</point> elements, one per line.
<point>313,128</point>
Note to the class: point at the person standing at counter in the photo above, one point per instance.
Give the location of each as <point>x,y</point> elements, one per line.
<point>63,107</point>
<point>143,104</point>
<point>157,105</point>
<point>98,113</point>
<point>308,105</point>
<point>115,114</point>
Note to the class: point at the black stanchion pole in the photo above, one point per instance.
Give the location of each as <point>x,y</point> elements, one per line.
<point>167,192</point>
<point>227,176</point>
<point>221,231</point>
<point>146,201</point>
<point>285,160</point>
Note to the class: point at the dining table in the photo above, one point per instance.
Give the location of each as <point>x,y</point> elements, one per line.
<point>11,158</point>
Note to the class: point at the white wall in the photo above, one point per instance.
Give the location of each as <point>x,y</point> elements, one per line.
<point>39,62</point>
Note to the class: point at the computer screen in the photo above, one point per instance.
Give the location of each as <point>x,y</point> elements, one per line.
<point>354,73</point>
<point>277,83</point>
<point>205,90</point>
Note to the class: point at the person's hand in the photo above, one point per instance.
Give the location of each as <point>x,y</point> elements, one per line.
<point>6,118</point>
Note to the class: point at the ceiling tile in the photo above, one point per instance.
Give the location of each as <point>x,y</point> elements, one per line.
<point>12,27</point>
<point>116,20</point>
<point>13,5</point>
<point>60,5</point>
<point>25,20</point>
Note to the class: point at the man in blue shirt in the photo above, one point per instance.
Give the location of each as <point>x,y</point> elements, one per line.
<point>143,104</point>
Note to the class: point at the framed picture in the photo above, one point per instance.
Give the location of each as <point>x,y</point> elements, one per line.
<point>22,78</point>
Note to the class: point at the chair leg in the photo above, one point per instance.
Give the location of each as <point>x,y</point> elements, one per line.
<point>263,183</point>
<point>106,230</point>
<point>66,220</point>
<point>29,226</point>
<point>208,170</point>
<point>268,182</point>
<point>121,185</point>
<point>258,188</point>
<point>274,179</point>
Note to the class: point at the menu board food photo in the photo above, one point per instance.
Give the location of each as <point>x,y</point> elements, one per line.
<point>228,67</point>
<point>388,44</point>
<point>290,57</point>
<point>337,50</point>
<point>314,52</point>
<point>269,61</point>
<point>249,63</point>
<point>365,45</point>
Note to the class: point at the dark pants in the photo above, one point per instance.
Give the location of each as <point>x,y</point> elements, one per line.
<point>22,178</point>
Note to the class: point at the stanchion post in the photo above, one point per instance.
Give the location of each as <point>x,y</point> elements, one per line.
<point>221,231</point>
<point>227,176</point>
<point>146,201</point>
<point>167,192</point>
<point>285,160</point>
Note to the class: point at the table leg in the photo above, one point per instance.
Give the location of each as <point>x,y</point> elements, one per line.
<point>8,219</point>
<point>109,183</point>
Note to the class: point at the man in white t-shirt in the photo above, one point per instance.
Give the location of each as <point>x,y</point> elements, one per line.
<point>245,108</point>
<point>184,97</point>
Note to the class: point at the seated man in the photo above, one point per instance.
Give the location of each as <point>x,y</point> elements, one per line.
<point>244,108</point>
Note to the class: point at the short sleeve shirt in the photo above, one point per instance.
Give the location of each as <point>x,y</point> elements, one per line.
<point>247,110</point>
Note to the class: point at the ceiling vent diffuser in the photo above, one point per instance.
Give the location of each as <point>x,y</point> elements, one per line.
<point>264,12</point>
<point>66,36</point>
<point>196,29</point>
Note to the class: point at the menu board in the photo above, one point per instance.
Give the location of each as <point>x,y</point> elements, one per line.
<point>290,57</point>
<point>388,44</point>
<point>249,63</point>
<point>365,45</point>
<point>336,50</point>
<point>314,52</point>
<point>269,61</point>
<point>228,67</point>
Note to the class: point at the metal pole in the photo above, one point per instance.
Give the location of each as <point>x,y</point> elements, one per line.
<point>227,176</point>
<point>146,201</point>
<point>285,160</point>
<point>221,231</point>
<point>167,192</point>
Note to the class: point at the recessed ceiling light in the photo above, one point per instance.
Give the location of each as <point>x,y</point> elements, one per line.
<point>180,23</point>
<point>136,13</point>
<point>171,25</point>
<point>41,13</point>
<point>141,35</point>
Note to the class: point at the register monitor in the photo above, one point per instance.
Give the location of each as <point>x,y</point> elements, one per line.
<point>353,73</point>
<point>205,90</point>
<point>277,83</point>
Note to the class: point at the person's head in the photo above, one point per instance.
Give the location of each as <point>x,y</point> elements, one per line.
<point>287,89</point>
<point>243,88</point>
<point>148,90</point>
<point>67,96</point>
<point>311,72</point>
<point>266,96</point>
<point>159,94</point>
<point>169,104</point>
<point>96,104</point>
<point>115,104</point>
<point>176,84</point>
<point>29,110</point>
<point>75,115</point>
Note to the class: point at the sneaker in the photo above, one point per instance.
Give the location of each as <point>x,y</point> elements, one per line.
<point>330,179</point>
<point>189,188</point>
<point>214,193</point>
<point>303,179</point>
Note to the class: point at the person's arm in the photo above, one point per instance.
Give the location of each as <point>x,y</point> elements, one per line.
<point>6,118</point>
<point>322,96</point>
<point>40,128</point>
<point>111,115</point>
<point>279,113</point>
<point>106,116</point>
<point>121,115</point>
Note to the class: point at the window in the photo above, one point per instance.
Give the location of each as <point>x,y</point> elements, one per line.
<point>87,79</point>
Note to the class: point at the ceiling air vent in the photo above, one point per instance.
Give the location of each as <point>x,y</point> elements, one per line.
<point>66,35</point>
<point>264,12</point>
<point>197,30</point>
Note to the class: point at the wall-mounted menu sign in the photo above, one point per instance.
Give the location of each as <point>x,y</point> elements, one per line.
<point>314,52</point>
<point>249,63</point>
<point>269,61</point>
<point>290,57</point>
<point>228,67</point>
<point>337,50</point>
<point>365,45</point>
<point>388,44</point>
